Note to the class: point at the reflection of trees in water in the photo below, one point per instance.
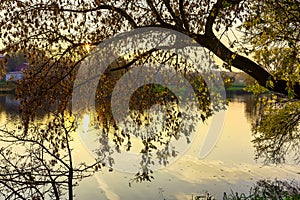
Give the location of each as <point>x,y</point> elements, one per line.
<point>250,101</point>
<point>275,126</point>
<point>9,103</point>
<point>277,130</point>
<point>251,108</point>
<point>9,108</point>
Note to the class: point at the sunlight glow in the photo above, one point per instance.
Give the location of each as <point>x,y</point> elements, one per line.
<point>85,122</point>
<point>87,47</point>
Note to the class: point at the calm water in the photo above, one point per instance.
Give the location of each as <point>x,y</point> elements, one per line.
<point>229,166</point>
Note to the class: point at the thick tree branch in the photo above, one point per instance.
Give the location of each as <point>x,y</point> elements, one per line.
<point>212,17</point>
<point>211,42</point>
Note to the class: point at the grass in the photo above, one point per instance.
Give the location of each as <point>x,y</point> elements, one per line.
<point>264,190</point>
<point>7,86</point>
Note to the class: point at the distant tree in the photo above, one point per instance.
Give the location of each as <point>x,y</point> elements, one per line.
<point>14,61</point>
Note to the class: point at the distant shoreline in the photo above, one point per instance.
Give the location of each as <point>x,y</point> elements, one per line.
<point>7,87</point>
<point>237,87</point>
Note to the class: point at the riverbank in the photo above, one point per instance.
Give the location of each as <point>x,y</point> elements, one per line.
<point>236,87</point>
<point>7,87</point>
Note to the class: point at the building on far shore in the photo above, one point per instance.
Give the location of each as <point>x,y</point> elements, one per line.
<point>13,76</point>
<point>18,73</point>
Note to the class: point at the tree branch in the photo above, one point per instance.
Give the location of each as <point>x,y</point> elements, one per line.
<point>173,14</point>
<point>105,7</point>
<point>212,17</point>
<point>127,65</point>
<point>182,14</point>
<point>12,189</point>
<point>211,42</point>
<point>157,15</point>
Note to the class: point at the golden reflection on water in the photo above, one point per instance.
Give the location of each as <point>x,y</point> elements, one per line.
<point>3,118</point>
<point>229,165</point>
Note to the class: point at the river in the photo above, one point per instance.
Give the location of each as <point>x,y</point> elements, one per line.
<point>229,166</point>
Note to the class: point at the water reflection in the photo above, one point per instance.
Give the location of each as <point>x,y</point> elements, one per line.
<point>229,166</point>
<point>9,104</point>
<point>250,101</point>
<point>9,108</point>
